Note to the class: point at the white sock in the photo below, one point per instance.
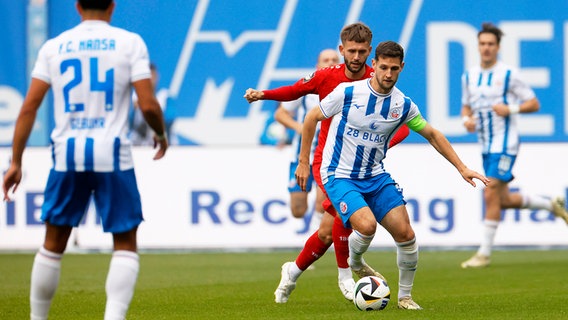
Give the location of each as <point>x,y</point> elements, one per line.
<point>120,283</point>
<point>536,202</point>
<point>295,272</point>
<point>489,231</point>
<point>358,244</point>
<point>44,280</point>
<point>407,261</point>
<point>344,274</point>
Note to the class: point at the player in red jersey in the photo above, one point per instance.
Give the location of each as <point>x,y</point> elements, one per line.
<point>355,48</point>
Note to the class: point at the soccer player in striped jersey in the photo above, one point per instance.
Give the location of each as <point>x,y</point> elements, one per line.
<point>291,114</point>
<point>91,70</point>
<point>493,95</point>
<point>365,115</point>
<point>355,48</point>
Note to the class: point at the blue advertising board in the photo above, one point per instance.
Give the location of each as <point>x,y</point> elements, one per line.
<point>209,52</point>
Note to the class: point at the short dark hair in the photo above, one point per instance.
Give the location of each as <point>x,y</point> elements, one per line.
<point>489,27</point>
<point>95,4</point>
<point>358,32</point>
<point>389,49</point>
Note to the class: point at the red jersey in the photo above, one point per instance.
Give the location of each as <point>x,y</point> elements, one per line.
<point>321,82</point>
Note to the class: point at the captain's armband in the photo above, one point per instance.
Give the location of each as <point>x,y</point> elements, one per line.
<point>417,123</point>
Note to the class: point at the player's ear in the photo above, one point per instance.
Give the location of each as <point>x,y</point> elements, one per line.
<point>110,9</point>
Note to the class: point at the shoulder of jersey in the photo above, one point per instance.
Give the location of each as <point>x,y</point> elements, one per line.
<point>324,70</point>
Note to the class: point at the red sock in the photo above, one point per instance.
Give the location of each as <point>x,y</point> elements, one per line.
<point>313,250</point>
<point>340,235</point>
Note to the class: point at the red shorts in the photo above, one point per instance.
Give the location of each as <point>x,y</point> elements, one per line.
<point>327,206</point>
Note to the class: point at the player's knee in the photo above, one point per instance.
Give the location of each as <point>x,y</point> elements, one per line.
<point>368,229</point>
<point>298,209</point>
<point>318,207</point>
<point>325,235</point>
<point>405,235</point>
<point>298,212</point>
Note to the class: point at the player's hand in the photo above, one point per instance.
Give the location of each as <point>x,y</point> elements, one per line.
<point>253,95</point>
<point>302,174</point>
<point>469,175</point>
<point>162,143</point>
<point>12,180</point>
<point>501,109</point>
<point>469,124</point>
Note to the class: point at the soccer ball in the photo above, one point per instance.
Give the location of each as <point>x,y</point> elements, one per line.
<point>371,293</point>
<point>276,131</point>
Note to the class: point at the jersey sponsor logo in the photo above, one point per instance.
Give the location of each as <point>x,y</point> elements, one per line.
<point>309,77</point>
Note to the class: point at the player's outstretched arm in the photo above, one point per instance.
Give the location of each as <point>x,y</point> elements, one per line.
<point>253,95</point>
<point>443,146</point>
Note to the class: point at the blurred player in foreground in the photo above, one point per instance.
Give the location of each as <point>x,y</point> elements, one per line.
<point>355,48</point>
<point>365,115</point>
<point>91,69</point>
<point>493,96</point>
<point>291,114</point>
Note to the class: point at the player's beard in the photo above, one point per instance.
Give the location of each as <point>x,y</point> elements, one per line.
<point>386,86</point>
<point>348,65</point>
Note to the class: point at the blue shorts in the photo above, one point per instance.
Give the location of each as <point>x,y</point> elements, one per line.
<point>293,184</point>
<point>115,194</point>
<point>380,193</point>
<point>499,166</point>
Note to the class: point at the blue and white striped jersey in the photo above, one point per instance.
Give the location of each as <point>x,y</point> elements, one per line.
<point>484,88</point>
<point>90,69</point>
<point>300,108</point>
<point>363,123</point>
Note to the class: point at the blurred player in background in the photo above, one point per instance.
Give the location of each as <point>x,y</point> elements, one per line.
<point>291,114</point>
<point>365,116</point>
<point>355,48</point>
<point>91,69</point>
<point>493,95</point>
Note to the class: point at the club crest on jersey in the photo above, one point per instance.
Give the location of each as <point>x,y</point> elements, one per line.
<point>343,207</point>
<point>309,77</point>
<point>395,113</point>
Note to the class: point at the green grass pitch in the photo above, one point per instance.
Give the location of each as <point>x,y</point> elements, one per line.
<point>518,285</point>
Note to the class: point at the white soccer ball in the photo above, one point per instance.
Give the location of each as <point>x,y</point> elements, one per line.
<point>371,293</point>
<point>276,131</point>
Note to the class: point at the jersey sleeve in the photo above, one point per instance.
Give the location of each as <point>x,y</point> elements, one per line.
<point>520,88</point>
<point>292,106</point>
<point>41,67</point>
<point>465,91</point>
<point>333,102</point>
<point>140,60</point>
<point>414,120</point>
<point>308,84</point>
